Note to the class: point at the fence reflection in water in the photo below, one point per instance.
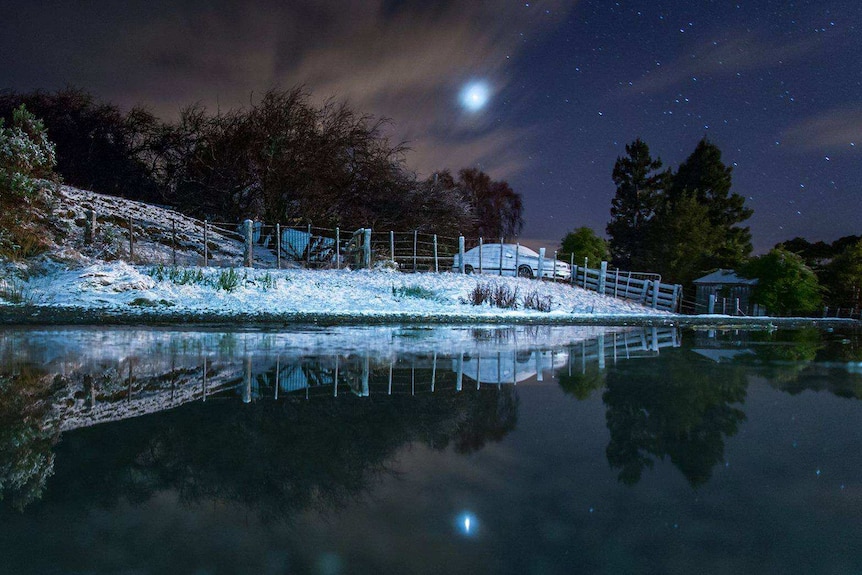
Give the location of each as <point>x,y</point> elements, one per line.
<point>157,370</point>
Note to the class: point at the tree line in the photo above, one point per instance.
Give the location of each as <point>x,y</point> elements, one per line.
<point>279,159</point>
<point>687,222</point>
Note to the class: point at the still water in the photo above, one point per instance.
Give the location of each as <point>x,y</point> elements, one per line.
<point>430,450</point>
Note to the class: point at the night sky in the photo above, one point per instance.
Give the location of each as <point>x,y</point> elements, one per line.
<point>777,85</point>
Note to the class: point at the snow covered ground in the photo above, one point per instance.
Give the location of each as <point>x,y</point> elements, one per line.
<point>75,276</point>
<point>268,293</point>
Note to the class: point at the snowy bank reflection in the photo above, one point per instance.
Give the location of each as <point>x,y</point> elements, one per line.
<point>101,375</point>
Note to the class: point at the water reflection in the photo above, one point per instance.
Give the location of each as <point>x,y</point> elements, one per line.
<point>328,407</point>
<point>442,387</point>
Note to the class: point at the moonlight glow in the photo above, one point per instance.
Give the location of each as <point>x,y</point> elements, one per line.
<point>475,95</point>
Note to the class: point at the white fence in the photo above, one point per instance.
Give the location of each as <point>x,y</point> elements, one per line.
<point>643,288</point>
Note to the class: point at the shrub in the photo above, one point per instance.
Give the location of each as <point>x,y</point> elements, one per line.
<point>14,290</point>
<point>785,284</point>
<point>228,280</point>
<point>498,295</point>
<point>504,297</point>
<point>480,294</point>
<point>417,292</point>
<point>537,302</point>
<point>26,154</point>
<point>267,282</point>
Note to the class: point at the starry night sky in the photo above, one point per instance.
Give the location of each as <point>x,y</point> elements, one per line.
<point>777,85</point>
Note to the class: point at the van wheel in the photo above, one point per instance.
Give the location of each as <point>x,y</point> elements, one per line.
<point>468,270</point>
<point>525,272</point>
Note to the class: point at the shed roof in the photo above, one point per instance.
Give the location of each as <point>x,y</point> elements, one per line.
<point>724,277</point>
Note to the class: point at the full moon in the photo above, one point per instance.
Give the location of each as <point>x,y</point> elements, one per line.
<point>475,95</point>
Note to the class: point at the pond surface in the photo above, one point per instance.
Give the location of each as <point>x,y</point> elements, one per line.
<point>430,450</point>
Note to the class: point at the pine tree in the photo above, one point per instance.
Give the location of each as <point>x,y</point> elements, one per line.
<point>639,184</point>
<point>705,175</point>
<point>682,239</point>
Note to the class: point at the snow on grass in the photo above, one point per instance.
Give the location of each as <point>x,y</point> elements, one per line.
<point>76,276</point>
<point>123,287</point>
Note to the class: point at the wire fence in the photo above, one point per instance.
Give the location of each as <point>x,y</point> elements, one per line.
<point>178,240</point>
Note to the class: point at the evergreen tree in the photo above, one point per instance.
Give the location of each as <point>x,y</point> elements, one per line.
<point>682,239</point>
<point>704,174</point>
<point>639,184</point>
<point>584,243</point>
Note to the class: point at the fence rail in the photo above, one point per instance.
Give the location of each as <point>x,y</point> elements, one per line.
<point>631,286</point>
<point>181,240</point>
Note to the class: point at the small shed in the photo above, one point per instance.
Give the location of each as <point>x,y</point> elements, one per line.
<point>732,294</point>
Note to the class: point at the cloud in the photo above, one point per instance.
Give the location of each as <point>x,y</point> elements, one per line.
<point>721,59</point>
<point>401,59</point>
<point>837,129</point>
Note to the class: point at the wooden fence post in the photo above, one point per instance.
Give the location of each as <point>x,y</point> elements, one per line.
<point>90,228</point>
<point>174,242</point>
<point>415,247</point>
<point>554,272</point>
<point>338,248</point>
<point>206,238</point>
<point>308,249</point>
<point>392,244</point>
<point>278,246</point>
<point>131,240</point>
<point>248,249</point>
<point>655,287</point>
<point>541,270</point>
<point>481,257</point>
<point>677,292</point>
<point>573,269</point>
<point>367,248</point>
<point>711,306</point>
<point>461,253</point>
<point>603,273</point>
<point>436,266</point>
<point>586,269</point>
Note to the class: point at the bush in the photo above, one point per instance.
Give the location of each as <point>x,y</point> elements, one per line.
<point>26,154</point>
<point>498,295</point>
<point>504,297</point>
<point>412,291</point>
<point>785,284</point>
<point>228,280</point>
<point>537,302</point>
<point>479,294</point>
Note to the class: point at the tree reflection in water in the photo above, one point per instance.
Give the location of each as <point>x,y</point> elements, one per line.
<point>275,457</point>
<point>26,440</point>
<point>319,426</point>
<point>668,409</point>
